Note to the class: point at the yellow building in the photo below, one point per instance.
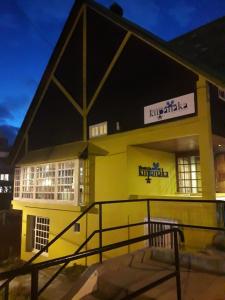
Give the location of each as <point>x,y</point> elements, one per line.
<point>119,114</point>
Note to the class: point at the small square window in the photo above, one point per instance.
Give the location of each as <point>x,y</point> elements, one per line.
<point>76,227</point>
<point>98,129</point>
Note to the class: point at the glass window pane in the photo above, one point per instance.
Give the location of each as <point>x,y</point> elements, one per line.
<point>189,175</point>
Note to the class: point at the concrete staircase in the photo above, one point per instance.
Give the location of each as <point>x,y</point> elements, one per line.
<point>118,277</point>
<point>202,278</point>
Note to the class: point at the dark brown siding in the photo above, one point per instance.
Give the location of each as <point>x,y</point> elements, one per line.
<point>217,111</point>
<point>56,122</point>
<point>103,39</point>
<point>69,71</point>
<point>142,76</point>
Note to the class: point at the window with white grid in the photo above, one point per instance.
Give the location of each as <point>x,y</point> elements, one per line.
<point>98,129</point>
<point>53,181</point>
<point>45,182</point>
<point>17,183</point>
<point>41,233</point>
<point>28,183</point>
<point>4,177</point>
<point>83,182</point>
<point>66,184</point>
<point>189,174</point>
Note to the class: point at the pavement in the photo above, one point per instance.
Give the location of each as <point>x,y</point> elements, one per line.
<point>202,278</point>
<point>118,277</point>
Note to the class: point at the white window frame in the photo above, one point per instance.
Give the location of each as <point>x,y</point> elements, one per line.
<point>18,181</point>
<point>99,129</point>
<point>41,233</point>
<point>188,174</point>
<point>4,176</point>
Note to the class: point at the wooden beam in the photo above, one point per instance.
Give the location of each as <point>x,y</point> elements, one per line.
<point>67,95</point>
<point>48,81</point>
<point>109,69</point>
<point>26,142</point>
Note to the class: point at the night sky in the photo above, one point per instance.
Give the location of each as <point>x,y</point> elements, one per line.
<point>29,30</point>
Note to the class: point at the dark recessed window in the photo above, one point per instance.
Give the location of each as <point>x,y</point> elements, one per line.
<point>77,227</point>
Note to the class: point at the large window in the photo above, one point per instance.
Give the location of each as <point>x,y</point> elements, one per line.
<point>52,181</point>
<point>189,174</point>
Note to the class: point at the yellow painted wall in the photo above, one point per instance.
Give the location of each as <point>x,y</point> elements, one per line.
<point>111,177</point>
<point>60,216</point>
<point>138,156</point>
<point>116,179</point>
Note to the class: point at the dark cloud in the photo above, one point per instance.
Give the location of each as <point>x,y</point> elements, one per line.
<point>13,108</point>
<point>31,83</point>
<point>5,113</point>
<point>10,16</point>
<point>182,12</point>
<point>143,12</point>
<point>15,103</point>
<point>9,132</point>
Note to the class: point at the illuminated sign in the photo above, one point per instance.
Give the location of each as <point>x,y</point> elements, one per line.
<point>169,109</point>
<point>154,171</point>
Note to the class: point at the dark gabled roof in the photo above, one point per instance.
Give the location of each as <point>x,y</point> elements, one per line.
<point>204,47</point>
<point>167,48</point>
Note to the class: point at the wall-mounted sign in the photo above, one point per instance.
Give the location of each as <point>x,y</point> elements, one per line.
<point>154,171</point>
<point>169,109</point>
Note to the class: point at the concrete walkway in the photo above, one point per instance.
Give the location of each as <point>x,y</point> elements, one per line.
<point>120,276</point>
<point>195,285</point>
<point>117,278</point>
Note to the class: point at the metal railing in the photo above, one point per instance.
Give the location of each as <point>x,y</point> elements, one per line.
<point>101,248</point>
<point>33,269</point>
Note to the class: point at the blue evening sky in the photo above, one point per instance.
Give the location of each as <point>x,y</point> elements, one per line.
<point>29,30</point>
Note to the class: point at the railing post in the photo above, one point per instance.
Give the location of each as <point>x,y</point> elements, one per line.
<point>6,292</point>
<point>100,232</point>
<point>177,264</point>
<point>149,219</point>
<point>34,284</point>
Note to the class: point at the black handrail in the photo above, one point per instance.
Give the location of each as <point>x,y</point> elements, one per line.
<point>61,233</point>
<point>100,204</point>
<point>6,283</point>
<point>23,270</point>
<point>66,263</point>
<point>33,269</point>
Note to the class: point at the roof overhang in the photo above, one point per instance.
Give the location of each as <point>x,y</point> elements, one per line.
<point>62,152</point>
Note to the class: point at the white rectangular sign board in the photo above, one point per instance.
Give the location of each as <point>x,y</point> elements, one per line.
<point>169,109</point>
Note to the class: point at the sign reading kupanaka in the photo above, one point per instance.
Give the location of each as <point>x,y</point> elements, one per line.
<point>169,109</point>
<point>153,171</point>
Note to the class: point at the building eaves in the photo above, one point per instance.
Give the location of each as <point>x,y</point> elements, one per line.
<point>136,30</point>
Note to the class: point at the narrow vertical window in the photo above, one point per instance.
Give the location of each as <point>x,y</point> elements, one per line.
<point>40,233</point>
<point>189,174</point>
<point>27,182</point>
<point>17,183</point>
